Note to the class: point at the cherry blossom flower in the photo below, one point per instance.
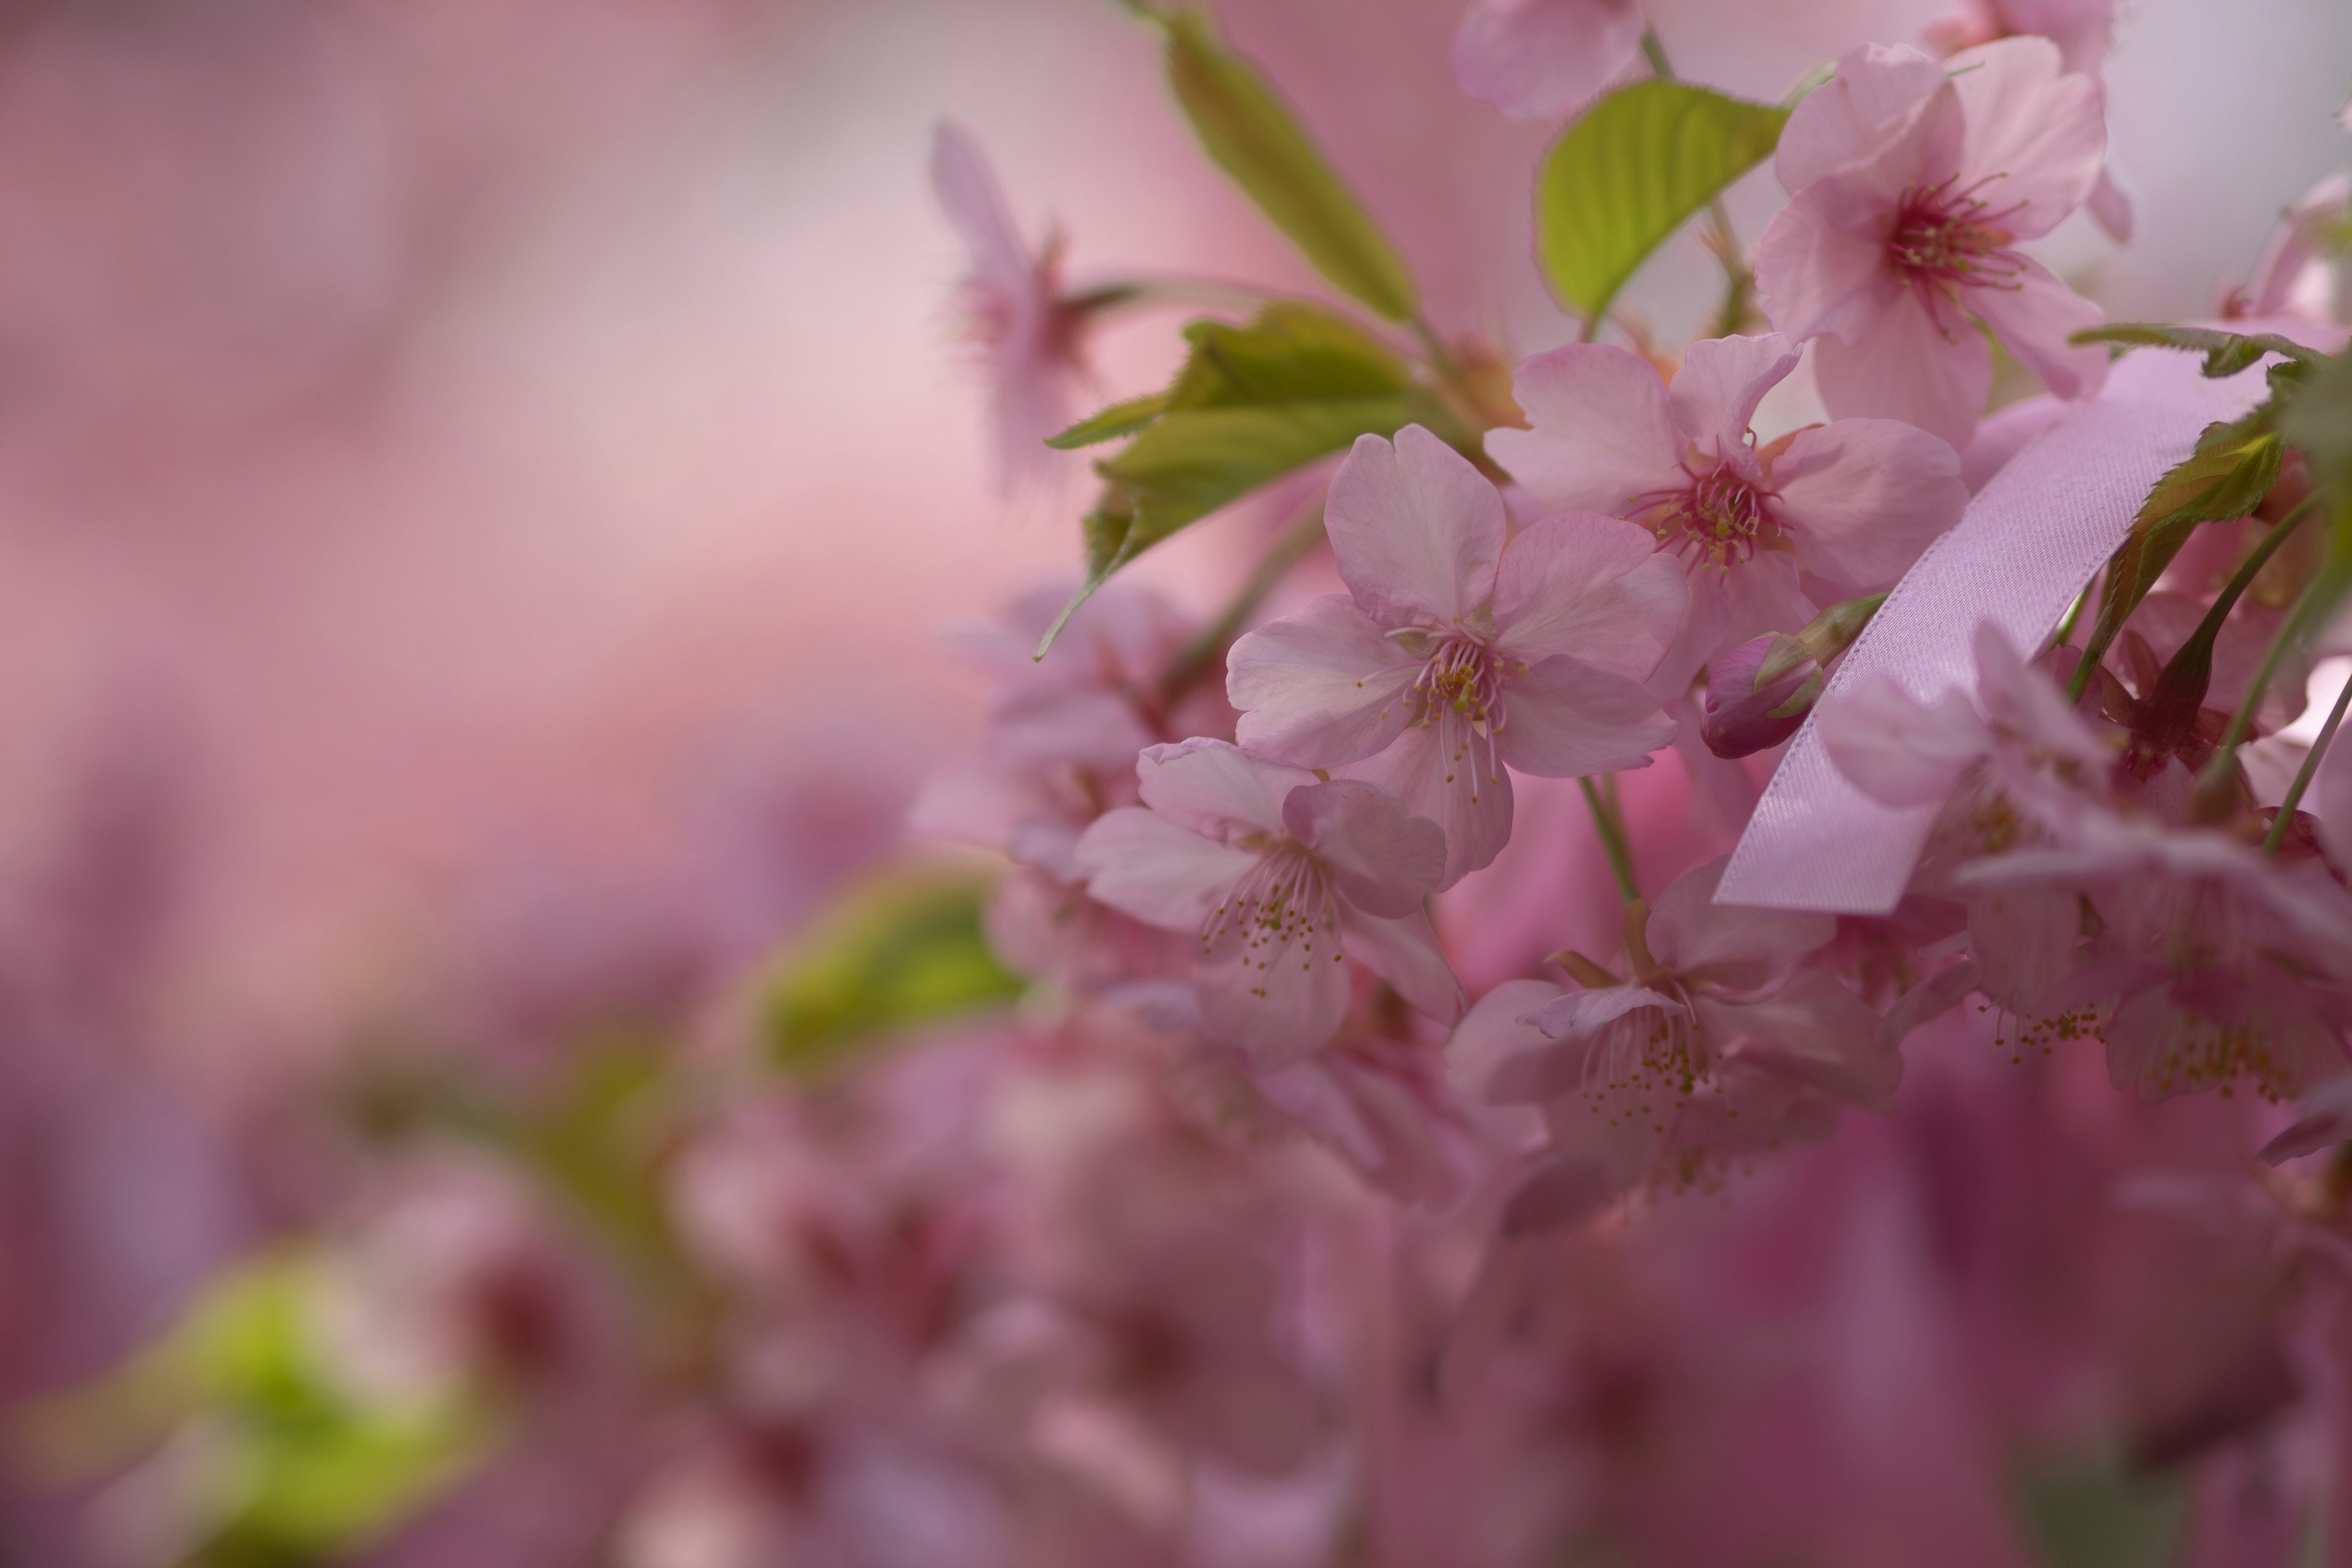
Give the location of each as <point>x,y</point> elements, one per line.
<point>1715,1043</point>
<point>2083,31</point>
<point>2299,271</point>
<point>1541,60</point>
<point>1282,875</point>
<point>1767,535</point>
<point>1029,334</point>
<point>1912,184</point>
<point>1455,654</point>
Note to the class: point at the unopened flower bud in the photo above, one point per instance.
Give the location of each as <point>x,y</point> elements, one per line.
<point>1742,718</point>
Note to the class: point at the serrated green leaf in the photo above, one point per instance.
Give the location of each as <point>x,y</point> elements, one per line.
<point>2225,479</point>
<point>1249,132</point>
<point>2226,353</point>
<point>1119,419</point>
<point>1196,460</point>
<point>1631,171</point>
<point>896,954</point>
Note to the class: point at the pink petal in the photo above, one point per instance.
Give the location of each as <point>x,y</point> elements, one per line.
<point>1592,587</point>
<point>1145,866</point>
<point>1583,1015</point>
<point>1405,954</point>
<point>1816,1032</point>
<point>1865,497</point>
<point>1895,750</point>
<point>1382,859</point>
<point>1602,433</point>
<point>2333,787</point>
<point>1879,94</point>
<point>1440,770</point>
<point>2038,134</point>
<point>2112,208</point>
<point>1714,396</point>
<point>1730,944</point>
<point>1416,530</point>
<point>1278,1001</point>
<point>2006,432</point>
<point>1537,59</point>
<point>975,205</point>
<point>1216,788</point>
<point>1730,606</point>
<point>1488,1057</point>
<point>1821,267</point>
<point>2034,319</point>
<point>1909,368</point>
<point>1568,720</point>
<point>1321,687</point>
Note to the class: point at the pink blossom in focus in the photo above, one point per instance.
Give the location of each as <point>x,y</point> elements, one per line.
<point>1456,653</point>
<point>1541,60</point>
<point>2083,31</point>
<point>1028,334</point>
<point>1282,876</point>
<point>1767,536</point>
<point>1715,1043</point>
<point>1911,185</point>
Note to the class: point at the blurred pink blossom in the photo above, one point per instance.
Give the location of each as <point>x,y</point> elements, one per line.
<point>1543,59</point>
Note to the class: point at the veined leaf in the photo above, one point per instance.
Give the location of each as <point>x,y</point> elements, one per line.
<point>1626,176</point>
<point>2226,353</point>
<point>1252,135</point>
<point>1119,419</point>
<point>896,954</point>
<point>2226,477</point>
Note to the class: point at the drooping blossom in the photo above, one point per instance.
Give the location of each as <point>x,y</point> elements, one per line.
<point>1911,184</point>
<point>1767,535</point>
<point>2083,31</point>
<point>1541,60</point>
<point>2300,271</point>
<point>1715,1043</point>
<point>1457,653</point>
<point>2209,965</point>
<point>1029,334</point>
<point>1283,877</point>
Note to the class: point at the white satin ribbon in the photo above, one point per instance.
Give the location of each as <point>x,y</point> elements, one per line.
<point>2028,544</point>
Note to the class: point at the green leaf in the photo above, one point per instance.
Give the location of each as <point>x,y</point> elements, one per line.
<point>2091,1515</point>
<point>1119,419</point>
<point>2226,353</point>
<point>1628,174</point>
<point>898,953</point>
<point>1252,135</point>
<point>1251,403</point>
<point>2226,477</point>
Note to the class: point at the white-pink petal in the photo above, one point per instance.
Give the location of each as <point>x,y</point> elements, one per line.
<point>1383,860</point>
<point>1592,587</point>
<point>1415,530</point>
<point>1851,120</point>
<point>1863,497</point>
<point>1815,1031</point>
<point>1495,1056</point>
<point>1568,720</point>
<point>1437,775</point>
<point>1321,687</point>
<point>1538,59</point>
<point>1602,433</point>
<point>1143,865</point>
<point>1714,395</point>
<point>2037,134</point>
<point>1583,1015</point>
<point>1822,266</point>
<point>1216,788</point>
<point>1898,750</point>
<point>1909,367</point>
<point>2033,317</point>
<point>1404,952</point>
<point>1279,1003</point>
<point>1729,944</point>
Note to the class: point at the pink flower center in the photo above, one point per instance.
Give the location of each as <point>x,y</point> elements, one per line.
<point>1720,518</point>
<point>1282,901</point>
<point>1647,1065</point>
<point>1459,692</point>
<point>1947,239</point>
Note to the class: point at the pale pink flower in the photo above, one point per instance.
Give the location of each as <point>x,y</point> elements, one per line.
<point>1456,654</point>
<point>1716,1043</point>
<point>2083,31</point>
<point>1029,334</point>
<point>2299,271</point>
<point>2209,965</point>
<point>1283,876</point>
<point>1540,59</point>
<point>1912,184</point>
<point>1767,536</point>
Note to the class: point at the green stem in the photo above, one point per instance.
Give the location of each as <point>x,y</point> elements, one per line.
<point>2303,775</point>
<point>1289,548</point>
<point>2065,631</point>
<point>2215,777</point>
<point>1740,282</point>
<point>1613,840</point>
<point>1441,357</point>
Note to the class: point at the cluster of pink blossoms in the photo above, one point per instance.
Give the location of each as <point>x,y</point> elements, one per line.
<point>1557,1026</point>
